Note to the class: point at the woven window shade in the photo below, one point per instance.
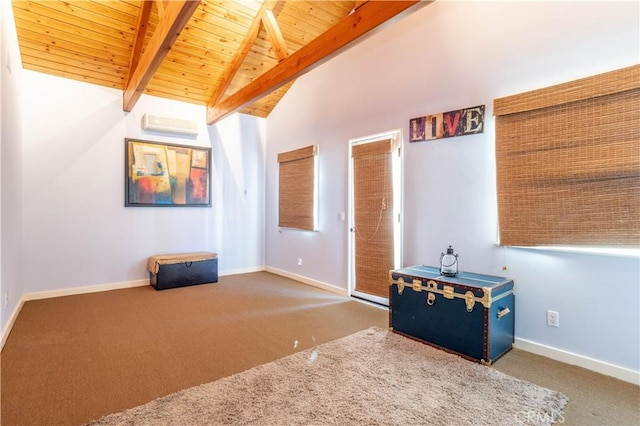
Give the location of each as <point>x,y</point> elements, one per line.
<point>568,163</point>
<point>296,182</point>
<point>373,216</point>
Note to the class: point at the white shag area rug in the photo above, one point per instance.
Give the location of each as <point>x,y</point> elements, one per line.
<point>373,377</point>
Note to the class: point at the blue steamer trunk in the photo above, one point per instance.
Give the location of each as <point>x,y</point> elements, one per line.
<point>469,314</point>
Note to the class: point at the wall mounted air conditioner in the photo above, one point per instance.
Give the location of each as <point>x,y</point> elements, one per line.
<point>178,126</point>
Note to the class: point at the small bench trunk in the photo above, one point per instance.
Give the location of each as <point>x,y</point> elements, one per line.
<point>181,270</point>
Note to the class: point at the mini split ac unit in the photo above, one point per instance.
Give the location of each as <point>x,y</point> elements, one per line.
<point>169,125</point>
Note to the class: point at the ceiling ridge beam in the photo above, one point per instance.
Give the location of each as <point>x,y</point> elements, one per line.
<point>171,23</point>
<point>241,54</point>
<point>138,40</point>
<point>364,19</point>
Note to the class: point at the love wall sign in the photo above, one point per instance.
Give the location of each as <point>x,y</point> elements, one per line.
<point>460,122</point>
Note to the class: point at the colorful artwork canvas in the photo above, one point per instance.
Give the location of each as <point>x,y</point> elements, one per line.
<point>160,174</point>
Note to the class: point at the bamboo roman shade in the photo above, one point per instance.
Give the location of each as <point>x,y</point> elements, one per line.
<point>373,216</point>
<point>296,186</point>
<point>568,163</point>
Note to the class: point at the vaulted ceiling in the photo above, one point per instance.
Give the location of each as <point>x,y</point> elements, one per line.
<point>230,55</point>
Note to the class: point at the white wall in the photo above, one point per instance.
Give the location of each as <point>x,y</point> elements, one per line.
<point>238,153</point>
<point>446,56</point>
<point>11,287</point>
<point>77,231</point>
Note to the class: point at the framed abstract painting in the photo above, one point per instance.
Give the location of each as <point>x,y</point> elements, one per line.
<point>166,175</point>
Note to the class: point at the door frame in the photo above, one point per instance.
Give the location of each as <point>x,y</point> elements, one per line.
<point>397,177</point>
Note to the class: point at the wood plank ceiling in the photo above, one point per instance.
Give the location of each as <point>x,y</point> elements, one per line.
<point>230,55</point>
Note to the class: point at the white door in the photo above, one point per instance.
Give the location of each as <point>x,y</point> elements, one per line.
<point>374,211</point>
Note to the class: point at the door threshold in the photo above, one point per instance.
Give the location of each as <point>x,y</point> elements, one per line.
<point>373,303</point>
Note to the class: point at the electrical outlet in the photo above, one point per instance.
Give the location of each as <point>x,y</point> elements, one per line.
<point>553,319</point>
<point>6,299</point>
<point>299,261</point>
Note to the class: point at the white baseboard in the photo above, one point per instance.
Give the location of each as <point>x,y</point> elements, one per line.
<point>85,289</point>
<point>601,367</point>
<point>240,271</point>
<point>9,325</point>
<point>329,287</point>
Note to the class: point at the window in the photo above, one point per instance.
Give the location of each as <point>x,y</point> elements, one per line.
<point>568,163</point>
<point>297,186</point>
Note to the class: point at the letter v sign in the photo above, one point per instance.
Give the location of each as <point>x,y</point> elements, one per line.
<point>452,124</point>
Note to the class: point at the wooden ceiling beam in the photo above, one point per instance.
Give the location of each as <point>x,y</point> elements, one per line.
<point>160,7</point>
<point>359,3</point>
<point>138,41</point>
<point>172,22</point>
<point>275,35</point>
<point>364,19</point>
<point>241,54</point>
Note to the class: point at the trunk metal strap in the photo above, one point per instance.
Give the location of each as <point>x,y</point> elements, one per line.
<point>448,292</point>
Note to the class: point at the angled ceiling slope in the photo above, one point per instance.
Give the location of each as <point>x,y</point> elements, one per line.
<point>239,55</point>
